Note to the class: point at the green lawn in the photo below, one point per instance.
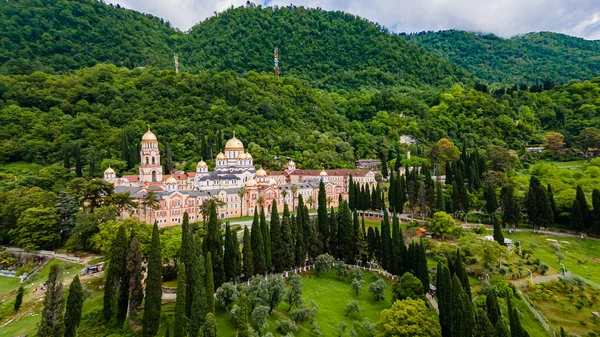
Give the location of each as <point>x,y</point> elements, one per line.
<point>7,284</point>
<point>582,257</point>
<point>96,261</point>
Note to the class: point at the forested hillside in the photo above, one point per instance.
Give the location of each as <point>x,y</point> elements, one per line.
<point>60,35</point>
<point>530,58</point>
<point>100,113</point>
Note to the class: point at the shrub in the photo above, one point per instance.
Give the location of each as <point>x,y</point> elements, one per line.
<point>533,245</point>
<point>315,328</point>
<point>351,308</point>
<point>377,288</point>
<point>286,326</point>
<point>226,294</point>
<point>544,268</point>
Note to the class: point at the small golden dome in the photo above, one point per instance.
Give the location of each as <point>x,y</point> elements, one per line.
<point>171,180</point>
<point>109,170</point>
<point>323,173</point>
<point>251,183</point>
<point>291,163</point>
<point>241,156</point>
<point>261,173</point>
<point>202,164</point>
<point>149,137</point>
<point>248,155</point>
<point>234,144</point>
<point>221,156</point>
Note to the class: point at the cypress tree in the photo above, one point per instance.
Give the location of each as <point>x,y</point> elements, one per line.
<point>367,198</point>
<point>422,272</point>
<point>210,326</point>
<point>498,236</point>
<point>248,264</point>
<point>334,233</point>
<point>299,245</point>
<point>545,213</point>
<point>345,229</point>
<point>398,247</point>
<point>562,332</point>
<point>461,272</point>
<point>484,326</point>
<point>491,203</point>
<point>550,196</point>
<point>242,330</point>
<point>463,317</point>
<point>133,266</point>
<point>400,194</point>
<point>19,299</point>
<point>509,206</point>
<point>577,222</point>
<point>180,321</point>
<point>277,244</point>
<point>266,239</point>
<point>200,304</point>
<point>189,258</point>
<point>371,243</point>
<point>214,245</point>
<point>237,254</point>
<point>444,295</point>
<point>355,229</point>
<point>322,220</point>
<point>287,238</point>
<point>258,248</point>
<point>210,286</point>
<point>152,303</point>
<point>228,255</point>
<point>362,248</point>
<point>585,212</point>
<point>51,324</point>
<point>596,210</point>
<point>392,192</point>
<point>351,194</point>
<point>386,242</point>
<point>74,306</point>
<point>493,310</point>
<point>378,247</point>
<point>501,330</point>
<point>115,273</point>
<point>439,198</point>
<point>307,235</point>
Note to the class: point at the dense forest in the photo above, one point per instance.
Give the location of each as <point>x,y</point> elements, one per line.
<point>530,58</point>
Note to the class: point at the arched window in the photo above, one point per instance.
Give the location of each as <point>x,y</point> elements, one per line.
<point>146,160</point>
<point>153,160</point>
<point>153,175</point>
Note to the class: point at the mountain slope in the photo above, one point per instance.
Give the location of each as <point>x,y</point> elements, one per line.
<point>59,35</point>
<point>533,57</point>
<point>332,47</point>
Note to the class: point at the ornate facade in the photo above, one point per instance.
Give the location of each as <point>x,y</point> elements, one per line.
<point>234,183</point>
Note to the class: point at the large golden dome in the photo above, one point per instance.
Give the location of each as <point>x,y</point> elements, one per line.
<point>171,180</point>
<point>109,170</point>
<point>221,156</point>
<point>149,137</point>
<point>202,164</point>
<point>251,183</point>
<point>234,144</point>
<point>241,156</point>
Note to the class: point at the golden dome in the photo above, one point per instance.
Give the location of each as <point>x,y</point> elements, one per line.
<point>221,156</point>
<point>251,183</point>
<point>261,173</point>
<point>291,163</point>
<point>234,144</point>
<point>323,173</point>
<point>171,180</point>
<point>149,137</point>
<point>109,170</point>
<point>241,156</point>
<point>248,155</point>
<point>202,164</point>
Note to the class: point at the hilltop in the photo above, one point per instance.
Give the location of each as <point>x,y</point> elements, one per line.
<point>529,58</point>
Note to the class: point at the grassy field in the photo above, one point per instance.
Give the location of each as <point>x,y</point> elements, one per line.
<point>582,257</point>
<point>7,284</point>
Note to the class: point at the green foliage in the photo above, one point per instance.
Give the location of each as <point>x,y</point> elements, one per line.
<point>409,317</point>
<point>74,307</point>
<point>52,321</point>
<point>352,308</point>
<point>226,295</point>
<point>180,322</point>
<point>377,288</point>
<point>529,58</point>
<point>323,263</point>
<point>408,286</point>
<point>210,326</point>
<point>442,223</point>
<point>19,299</point>
<point>152,302</point>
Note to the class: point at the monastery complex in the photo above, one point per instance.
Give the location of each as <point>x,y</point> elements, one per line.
<point>235,184</point>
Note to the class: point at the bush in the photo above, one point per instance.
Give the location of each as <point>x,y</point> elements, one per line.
<point>234,314</point>
<point>315,328</point>
<point>377,289</point>
<point>169,272</point>
<point>226,294</point>
<point>351,308</point>
<point>533,245</point>
<point>286,326</point>
<point>544,268</point>
<point>323,263</point>
<point>25,269</point>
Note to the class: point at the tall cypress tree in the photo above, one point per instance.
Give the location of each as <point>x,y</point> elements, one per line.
<point>498,236</point>
<point>400,194</point>
<point>421,270</point>
<point>307,235</point>
<point>444,296</point>
<point>493,309</point>
<point>229,255</point>
<point>266,239</point>
<point>51,324</point>
<point>237,254</point>
<point>248,265</point>
<point>392,192</point>
<point>577,218</point>
<point>439,198</point>
<point>277,244</point>
<point>491,202</point>
<point>200,304</point>
<point>378,246</point>
<point>583,206</point>
<point>74,306</point>
<point>115,273</point>
<point>258,248</point>
<point>351,193</point>
<point>213,243</point>
<point>545,213</point>
<point>371,243</point>
<point>334,232</point>
<point>180,321</point>
<point>189,258</point>
<point>509,206</point>
<point>386,242</point>
<point>322,219</point>
<point>287,238</point>
<point>242,330</point>
<point>461,272</point>
<point>153,300</point>
<point>398,247</point>
<point>463,317</point>
<point>596,210</point>
<point>134,269</point>
<point>345,234</point>
<point>550,196</point>
<point>210,286</point>
<point>299,245</point>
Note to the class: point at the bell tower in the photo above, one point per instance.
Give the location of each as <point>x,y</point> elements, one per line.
<point>150,168</point>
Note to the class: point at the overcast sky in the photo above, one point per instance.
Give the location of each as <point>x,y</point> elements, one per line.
<point>502,17</point>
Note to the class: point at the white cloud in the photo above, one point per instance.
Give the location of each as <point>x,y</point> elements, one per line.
<point>502,17</point>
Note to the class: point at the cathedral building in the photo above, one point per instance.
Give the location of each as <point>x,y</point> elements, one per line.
<point>234,184</point>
